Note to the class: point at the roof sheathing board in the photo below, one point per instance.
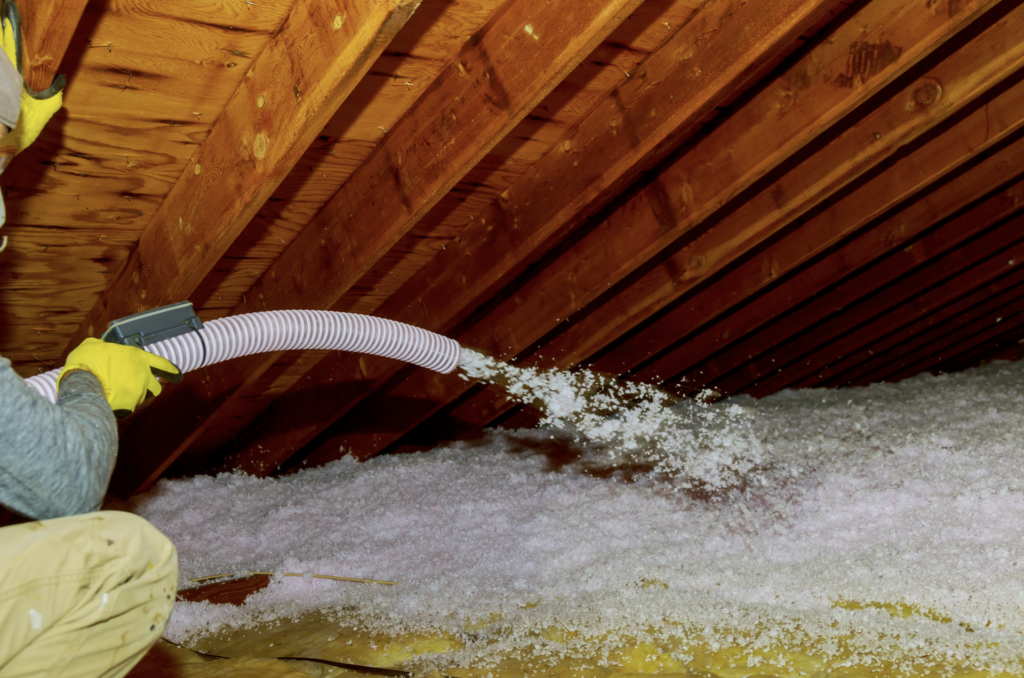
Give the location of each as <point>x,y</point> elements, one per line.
<point>144,87</point>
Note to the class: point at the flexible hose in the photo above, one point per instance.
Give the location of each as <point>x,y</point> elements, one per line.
<point>270,331</point>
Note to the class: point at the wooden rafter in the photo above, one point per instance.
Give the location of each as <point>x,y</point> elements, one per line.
<point>760,135</point>
<point>856,327</point>
<point>668,93</point>
<point>614,63</point>
<point>498,77</point>
<point>46,29</point>
<point>720,197</point>
<point>942,296</point>
<point>783,316</point>
<point>993,344</point>
<point>968,335</point>
<point>918,334</point>
<point>294,87</point>
<point>417,55</point>
<point>967,74</point>
<point>983,128</point>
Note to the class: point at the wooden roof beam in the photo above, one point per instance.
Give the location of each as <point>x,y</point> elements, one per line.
<point>943,307</point>
<point>990,329</point>
<point>965,75</point>
<point>500,75</point>
<point>292,90</point>
<point>692,326</point>
<point>749,338</point>
<point>870,365</point>
<point>857,327</point>
<point>724,163</point>
<point>674,88</point>
<point>1003,346</point>
<point>46,31</point>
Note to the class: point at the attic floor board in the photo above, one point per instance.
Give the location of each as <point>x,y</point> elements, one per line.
<point>167,661</point>
<point>254,651</point>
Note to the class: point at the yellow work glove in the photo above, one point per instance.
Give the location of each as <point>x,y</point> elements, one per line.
<point>128,374</point>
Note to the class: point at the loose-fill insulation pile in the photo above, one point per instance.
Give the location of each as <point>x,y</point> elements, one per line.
<point>878,527</point>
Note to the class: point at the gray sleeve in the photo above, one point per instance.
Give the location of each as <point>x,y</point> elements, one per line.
<point>55,460</point>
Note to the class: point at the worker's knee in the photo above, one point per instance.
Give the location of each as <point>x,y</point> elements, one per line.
<point>141,596</point>
<point>97,590</point>
<point>146,553</point>
<point>104,548</point>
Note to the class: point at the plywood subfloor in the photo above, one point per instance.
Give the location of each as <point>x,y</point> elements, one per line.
<point>252,653</point>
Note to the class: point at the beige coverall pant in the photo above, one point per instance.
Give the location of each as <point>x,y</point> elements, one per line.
<point>85,595</point>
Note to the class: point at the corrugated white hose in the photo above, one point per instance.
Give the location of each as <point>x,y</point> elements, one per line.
<point>270,331</point>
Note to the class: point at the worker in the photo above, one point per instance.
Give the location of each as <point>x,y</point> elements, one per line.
<point>83,592</point>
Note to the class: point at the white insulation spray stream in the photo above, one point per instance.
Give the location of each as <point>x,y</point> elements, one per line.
<point>269,331</point>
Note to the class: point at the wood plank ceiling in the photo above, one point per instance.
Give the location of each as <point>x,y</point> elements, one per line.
<point>744,195</point>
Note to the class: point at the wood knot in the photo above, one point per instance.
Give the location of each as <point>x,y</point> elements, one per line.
<point>926,94</point>
<point>260,144</point>
<point>697,261</point>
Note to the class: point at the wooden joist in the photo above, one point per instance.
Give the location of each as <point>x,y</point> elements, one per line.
<point>668,94</point>
<point>501,73</point>
<point>46,30</point>
<point>290,92</point>
<point>1005,345</point>
<point>687,325</point>
<point>943,300</point>
<point>232,591</point>
<point>764,132</point>
<point>946,88</point>
<point>784,316</point>
<point>965,268</point>
<point>882,359</point>
<point>983,331</point>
